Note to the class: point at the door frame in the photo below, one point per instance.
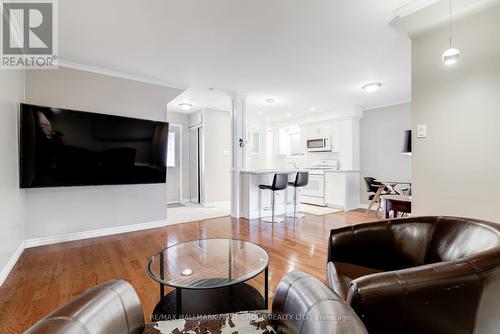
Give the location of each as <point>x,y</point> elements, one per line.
<point>179,126</point>
<point>201,162</point>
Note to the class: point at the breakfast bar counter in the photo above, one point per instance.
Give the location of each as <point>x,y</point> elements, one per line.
<point>256,203</point>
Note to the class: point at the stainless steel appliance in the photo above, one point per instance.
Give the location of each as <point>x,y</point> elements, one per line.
<point>319,145</point>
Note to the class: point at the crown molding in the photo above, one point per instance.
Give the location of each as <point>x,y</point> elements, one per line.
<point>121,75</point>
<point>413,7</point>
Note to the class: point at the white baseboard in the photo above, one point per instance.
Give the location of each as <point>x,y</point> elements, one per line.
<point>12,262</point>
<point>54,239</point>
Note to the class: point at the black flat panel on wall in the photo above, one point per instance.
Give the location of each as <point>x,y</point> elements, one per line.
<point>61,147</point>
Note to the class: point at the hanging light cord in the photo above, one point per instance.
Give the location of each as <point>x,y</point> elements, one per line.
<point>450,24</point>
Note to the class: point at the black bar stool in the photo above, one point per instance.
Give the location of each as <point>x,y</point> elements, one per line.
<point>280,182</point>
<point>301,180</point>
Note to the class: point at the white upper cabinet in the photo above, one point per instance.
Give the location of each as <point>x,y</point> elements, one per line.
<point>280,142</point>
<point>345,134</point>
<point>295,142</point>
<point>317,131</point>
<point>254,141</point>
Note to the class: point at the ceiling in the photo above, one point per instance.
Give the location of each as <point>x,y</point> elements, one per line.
<point>303,54</point>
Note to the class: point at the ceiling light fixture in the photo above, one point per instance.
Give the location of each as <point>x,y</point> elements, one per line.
<point>267,119</point>
<point>312,108</point>
<point>259,112</point>
<point>372,87</point>
<point>288,114</point>
<point>451,56</point>
<point>185,106</point>
<point>269,101</point>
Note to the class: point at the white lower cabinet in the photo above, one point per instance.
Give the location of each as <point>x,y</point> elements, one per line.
<point>342,189</point>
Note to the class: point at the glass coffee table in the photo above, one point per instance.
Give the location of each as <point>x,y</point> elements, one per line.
<point>209,277</point>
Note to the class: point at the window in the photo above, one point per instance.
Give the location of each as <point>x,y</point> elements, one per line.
<point>171,150</point>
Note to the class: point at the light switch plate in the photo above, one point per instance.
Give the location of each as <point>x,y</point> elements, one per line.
<point>422,131</point>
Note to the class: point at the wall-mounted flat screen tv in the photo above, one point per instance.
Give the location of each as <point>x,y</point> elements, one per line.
<point>61,147</point>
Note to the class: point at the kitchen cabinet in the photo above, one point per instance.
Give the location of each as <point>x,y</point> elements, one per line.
<point>295,143</point>
<point>345,136</point>
<point>254,141</point>
<point>342,189</point>
<point>317,131</point>
<point>280,141</point>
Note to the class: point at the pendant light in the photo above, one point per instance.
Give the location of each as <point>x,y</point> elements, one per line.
<point>451,56</point>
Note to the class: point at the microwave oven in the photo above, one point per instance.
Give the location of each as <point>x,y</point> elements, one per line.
<point>319,145</point>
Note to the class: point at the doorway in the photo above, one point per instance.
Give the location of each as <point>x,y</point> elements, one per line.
<point>174,165</point>
<point>196,165</point>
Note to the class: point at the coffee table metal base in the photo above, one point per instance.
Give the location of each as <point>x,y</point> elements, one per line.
<point>235,298</point>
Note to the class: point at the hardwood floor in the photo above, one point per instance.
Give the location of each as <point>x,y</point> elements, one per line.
<point>48,276</point>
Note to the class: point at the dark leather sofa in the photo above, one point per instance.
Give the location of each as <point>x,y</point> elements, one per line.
<point>301,304</point>
<point>419,275</point>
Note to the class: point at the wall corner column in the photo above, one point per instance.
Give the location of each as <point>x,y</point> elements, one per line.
<point>238,150</point>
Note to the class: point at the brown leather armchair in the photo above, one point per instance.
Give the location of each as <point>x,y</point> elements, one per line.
<point>420,274</point>
<point>301,305</point>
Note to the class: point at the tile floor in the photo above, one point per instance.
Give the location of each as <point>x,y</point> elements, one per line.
<point>192,212</point>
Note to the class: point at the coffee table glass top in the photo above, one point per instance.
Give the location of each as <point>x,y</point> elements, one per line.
<point>207,263</point>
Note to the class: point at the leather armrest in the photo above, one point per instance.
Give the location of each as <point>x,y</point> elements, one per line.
<point>417,296</point>
<point>110,308</point>
<point>303,305</point>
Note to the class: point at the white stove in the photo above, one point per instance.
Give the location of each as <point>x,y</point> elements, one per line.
<point>314,192</point>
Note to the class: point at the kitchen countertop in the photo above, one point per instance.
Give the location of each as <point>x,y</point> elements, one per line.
<point>271,171</point>
<point>290,171</point>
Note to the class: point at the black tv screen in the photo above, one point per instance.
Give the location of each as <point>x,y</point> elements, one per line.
<point>61,147</point>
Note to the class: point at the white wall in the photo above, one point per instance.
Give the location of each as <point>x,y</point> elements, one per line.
<point>456,169</point>
<point>381,140</point>
<point>52,211</point>
<point>217,127</point>
<point>12,217</point>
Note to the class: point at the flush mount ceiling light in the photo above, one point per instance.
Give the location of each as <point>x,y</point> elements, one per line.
<point>259,112</point>
<point>187,272</point>
<point>288,115</point>
<point>372,87</point>
<point>312,108</point>
<point>185,106</point>
<point>267,119</point>
<point>269,101</point>
<point>451,56</point>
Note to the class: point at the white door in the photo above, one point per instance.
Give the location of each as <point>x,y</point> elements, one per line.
<point>173,165</point>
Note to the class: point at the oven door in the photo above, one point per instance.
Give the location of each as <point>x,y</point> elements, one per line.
<point>315,187</point>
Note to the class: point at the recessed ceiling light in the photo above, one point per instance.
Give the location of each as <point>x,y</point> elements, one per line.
<point>269,101</point>
<point>312,108</point>
<point>288,115</point>
<point>259,112</point>
<point>267,119</point>
<point>185,106</point>
<point>372,87</point>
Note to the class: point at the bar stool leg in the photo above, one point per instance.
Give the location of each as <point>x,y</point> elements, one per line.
<point>272,205</point>
<point>295,215</point>
<point>273,219</point>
